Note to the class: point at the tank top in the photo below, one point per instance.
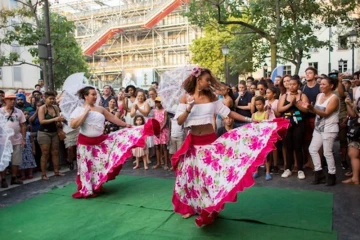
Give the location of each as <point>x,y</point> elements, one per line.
<point>293,113</point>
<point>343,111</point>
<point>259,117</point>
<point>49,127</point>
<point>330,123</point>
<point>311,94</point>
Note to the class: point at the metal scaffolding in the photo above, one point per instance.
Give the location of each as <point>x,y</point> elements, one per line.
<point>120,37</point>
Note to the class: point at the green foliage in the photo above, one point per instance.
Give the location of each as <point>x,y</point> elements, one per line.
<point>28,31</point>
<point>287,26</point>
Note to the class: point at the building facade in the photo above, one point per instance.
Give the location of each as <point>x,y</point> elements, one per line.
<point>133,40</point>
<point>21,76</point>
<point>339,58</point>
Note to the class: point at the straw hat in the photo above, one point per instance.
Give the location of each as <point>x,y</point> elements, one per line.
<point>158,99</point>
<point>9,95</point>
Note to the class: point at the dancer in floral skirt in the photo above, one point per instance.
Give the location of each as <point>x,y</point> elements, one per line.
<point>100,157</point>
<point>210,171</point>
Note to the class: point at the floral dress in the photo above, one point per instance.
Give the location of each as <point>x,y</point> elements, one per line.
<point>159,115</point>
<point>27,154</point>
<point>109,126</point>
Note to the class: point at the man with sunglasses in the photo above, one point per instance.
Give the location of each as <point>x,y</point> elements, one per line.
<point>15,119</point>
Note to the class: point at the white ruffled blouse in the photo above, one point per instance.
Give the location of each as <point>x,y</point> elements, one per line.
<point>202,114</point>
<point>93,126</point>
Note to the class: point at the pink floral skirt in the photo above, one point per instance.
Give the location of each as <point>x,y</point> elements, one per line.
<point>210,171</point>
<point>100,159</point>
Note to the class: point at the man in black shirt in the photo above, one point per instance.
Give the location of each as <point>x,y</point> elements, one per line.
<point>311,89</point>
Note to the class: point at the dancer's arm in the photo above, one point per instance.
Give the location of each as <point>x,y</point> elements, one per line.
<point>182,117</point>
<point>239,117</point>
<point>77,122</point>
<point>112,118</point>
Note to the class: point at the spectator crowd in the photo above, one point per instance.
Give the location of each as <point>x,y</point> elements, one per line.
<point>320,109</point>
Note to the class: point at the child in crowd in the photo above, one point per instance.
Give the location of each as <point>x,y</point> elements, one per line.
<point>160,142</point>
<point>271,105</point>
<point>140,152</point>
<point>177,134</point>
<point>26,168</point>
<point>228,125</point>
<point>261,115</point>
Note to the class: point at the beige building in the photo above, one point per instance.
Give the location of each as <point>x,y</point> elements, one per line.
<point>130,40</point>
<point>21,76</point>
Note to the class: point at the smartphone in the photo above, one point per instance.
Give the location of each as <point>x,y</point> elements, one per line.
<point>257,93</point>
<point>334,75</point>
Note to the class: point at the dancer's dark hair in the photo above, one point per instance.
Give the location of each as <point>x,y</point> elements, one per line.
<point>84,92</point>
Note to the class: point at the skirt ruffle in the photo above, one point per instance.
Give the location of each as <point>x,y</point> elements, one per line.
<point>210,174</point>
<point>102,162</point>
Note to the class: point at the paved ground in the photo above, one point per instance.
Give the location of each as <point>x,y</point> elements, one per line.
<point>346,197</point>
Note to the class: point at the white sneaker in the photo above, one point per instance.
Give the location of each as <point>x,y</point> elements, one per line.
<point>301,175</point>
<point>287,173</point>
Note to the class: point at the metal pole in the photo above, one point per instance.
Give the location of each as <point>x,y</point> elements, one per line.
<point>51,86</point>
<point>225,71</point>
<point>329,64</point>
<point>353,58</point>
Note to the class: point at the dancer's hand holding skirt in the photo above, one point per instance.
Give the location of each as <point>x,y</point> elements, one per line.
<point>210,171</point>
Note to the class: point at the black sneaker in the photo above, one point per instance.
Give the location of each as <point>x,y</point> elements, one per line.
<point>16,181</point>
<point>275,170</point>
<point>4,184</point>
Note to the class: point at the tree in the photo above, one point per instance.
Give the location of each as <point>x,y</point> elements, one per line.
<point>29,30</point>
<point>287,27</point>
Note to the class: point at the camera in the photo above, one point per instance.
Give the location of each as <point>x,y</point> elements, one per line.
<point>334,75</point>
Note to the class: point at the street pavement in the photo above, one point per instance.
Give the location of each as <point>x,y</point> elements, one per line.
<point>346,216</point>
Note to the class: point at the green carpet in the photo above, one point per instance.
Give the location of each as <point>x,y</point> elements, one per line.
<point>140,208</point>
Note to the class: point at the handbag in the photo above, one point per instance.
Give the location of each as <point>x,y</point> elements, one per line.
<point>353,132</point>
<point>61,134</point>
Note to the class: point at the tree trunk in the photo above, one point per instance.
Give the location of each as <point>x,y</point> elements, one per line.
<point>298,62</point>
<point>273,55</point>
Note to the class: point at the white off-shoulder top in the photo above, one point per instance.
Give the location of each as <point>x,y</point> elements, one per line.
<point>93,126</point>
<point>202,114</point>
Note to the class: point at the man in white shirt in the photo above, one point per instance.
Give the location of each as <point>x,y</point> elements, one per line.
<point>15,120</point>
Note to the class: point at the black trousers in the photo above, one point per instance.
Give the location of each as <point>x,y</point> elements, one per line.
<point>294,143</point>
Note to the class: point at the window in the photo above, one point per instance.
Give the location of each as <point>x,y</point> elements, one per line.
<point>17,74</point>
<point>342,43</point>
<point>313,64</point>
<point>16,48</point>
<point>0,73</point>
<point>313,50</point>
<point>287,70</point>
<point>343,67</point>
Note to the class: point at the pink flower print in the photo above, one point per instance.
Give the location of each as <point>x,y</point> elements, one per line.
<point>87,177</point>
<point>266,131</point>
<point>190,174</point>
<point>191,152</point>
<point>124,147</point>
<point>197,172</point>
<point>101,176</point>
<point>88,163</point>
<point>103,148</point>
<point>106,165</point>
<point>208,157</point>
<point>88,148</point>
<point>220,148</point>
<point>255,143</point>
<point>95,152</point>
<point>233,135</point>
<point>215,164</point>
<point>230,152</point>
<point>208,181</point>
<point>132,139</point>
<point>220,193</point>
<point>194,193</point>
<point>231,174</point>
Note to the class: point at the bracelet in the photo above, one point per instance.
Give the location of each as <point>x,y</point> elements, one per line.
<point>247,119</point>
